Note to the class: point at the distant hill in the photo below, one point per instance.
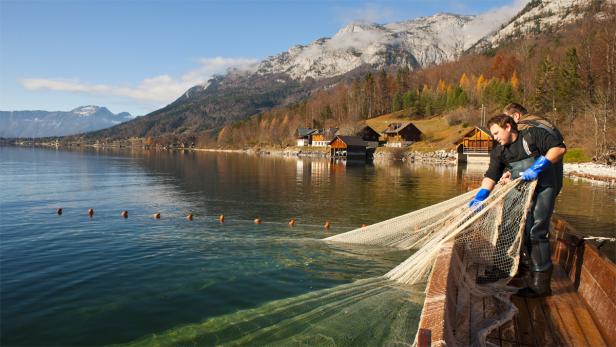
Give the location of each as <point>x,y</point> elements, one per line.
<point>82,119</point>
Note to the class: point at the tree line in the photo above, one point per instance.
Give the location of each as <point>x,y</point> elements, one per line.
<point>568,76</point>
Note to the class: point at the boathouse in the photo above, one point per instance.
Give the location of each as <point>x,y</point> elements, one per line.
<point>475,145</point>
<point>348,146</point>
<point>366,133</point>
<point>401,134</point>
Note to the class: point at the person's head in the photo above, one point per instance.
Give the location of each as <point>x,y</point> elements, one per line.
<point>503,128</point>
<point>515,111</point>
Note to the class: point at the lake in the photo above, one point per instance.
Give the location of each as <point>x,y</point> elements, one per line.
<point>73,280</point>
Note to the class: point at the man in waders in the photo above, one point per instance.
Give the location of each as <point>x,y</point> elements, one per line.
<point>525,120</point>
<point>529,154</point>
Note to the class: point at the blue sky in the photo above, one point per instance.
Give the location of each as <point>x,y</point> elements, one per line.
<point>138,55</point>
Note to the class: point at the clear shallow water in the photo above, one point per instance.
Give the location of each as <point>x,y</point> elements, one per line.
<point>72,280</point>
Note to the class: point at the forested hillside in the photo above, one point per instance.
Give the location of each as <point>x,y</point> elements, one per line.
<point>569,76</point>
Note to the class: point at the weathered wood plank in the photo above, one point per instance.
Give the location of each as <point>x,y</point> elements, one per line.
<point>541,328</point>
<point>494,341</point>
<point>564,319</point>
<point>588,326</point>
<point>424,338</point>
<point>489,310</point>
<point>524,323</point>
<point>508,332</point>
<point>598,290</point>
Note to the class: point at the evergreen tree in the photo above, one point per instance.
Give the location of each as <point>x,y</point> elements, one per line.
<point>543,98</point>
<point>568,85</point>
<point>408,99</point>
<point>397,103</point>
<point>369,92</point>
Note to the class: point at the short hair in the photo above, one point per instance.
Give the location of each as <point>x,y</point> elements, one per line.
<point>502,120</point>
<point>514,107</point>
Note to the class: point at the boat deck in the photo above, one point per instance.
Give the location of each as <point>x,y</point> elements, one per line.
<point>580,312</point>
<point>562,319</point>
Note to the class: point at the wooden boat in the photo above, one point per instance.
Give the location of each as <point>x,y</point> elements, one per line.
<point>580,312</point>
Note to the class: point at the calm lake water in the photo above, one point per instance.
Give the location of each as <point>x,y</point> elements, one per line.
<point>74,280</point>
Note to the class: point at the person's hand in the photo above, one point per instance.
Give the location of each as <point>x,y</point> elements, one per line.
<point>505,178</point>
<point>540,165</point>
<point>481,195</point>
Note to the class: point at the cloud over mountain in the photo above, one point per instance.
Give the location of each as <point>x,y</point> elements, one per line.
<point>159,90</point>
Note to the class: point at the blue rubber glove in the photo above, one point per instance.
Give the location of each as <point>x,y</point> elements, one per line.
<point>481,195</point>
<point>540,165</point>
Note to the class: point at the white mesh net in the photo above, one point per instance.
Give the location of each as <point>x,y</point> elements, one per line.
<point>407,231</point>
<point>486,240</point>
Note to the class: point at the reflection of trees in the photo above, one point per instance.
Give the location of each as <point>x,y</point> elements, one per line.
<point>269,186</point>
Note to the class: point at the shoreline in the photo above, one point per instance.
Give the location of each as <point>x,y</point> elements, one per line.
<point>593,172</point>
<point>588,171</point>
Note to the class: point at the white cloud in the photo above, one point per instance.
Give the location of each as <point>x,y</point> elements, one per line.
<point>491,20</point>
<point>358,39</point>
<point>369,13</point>
<point>159,90</point>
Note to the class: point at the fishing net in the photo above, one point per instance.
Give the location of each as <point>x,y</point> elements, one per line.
<point>474,251</point>
<point>485,245</point>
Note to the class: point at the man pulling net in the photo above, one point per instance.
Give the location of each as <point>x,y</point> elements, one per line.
<point>532,154</point>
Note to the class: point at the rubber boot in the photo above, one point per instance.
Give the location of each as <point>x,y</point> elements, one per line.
<point>525,264</point>
<point>492,274</point>
<point>538,286</point>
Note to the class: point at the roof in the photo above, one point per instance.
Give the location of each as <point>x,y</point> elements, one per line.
<point>301,132</point>
<point>395,128</point>
<point>477,127</point>
<point>328,133</point>
<point>351,140</point>
<point>481,128</point>
<point>350,131</point>
<point>369,128</point>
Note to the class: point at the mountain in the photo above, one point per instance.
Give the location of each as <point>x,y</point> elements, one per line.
<point>58,123</point>
<point>414,43</point>
<point>289,76</point>
<point>353,51</point>
<point>540,16</point>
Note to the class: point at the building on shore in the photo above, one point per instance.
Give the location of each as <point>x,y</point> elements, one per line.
<point>348,146</point>
<point>322,137</point>
<point>475,146</point>
<point>401,134</point>
<point>303,136</point>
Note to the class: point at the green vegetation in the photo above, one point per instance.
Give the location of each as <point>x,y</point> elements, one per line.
<point>566,76</point>
<point>576,155</point>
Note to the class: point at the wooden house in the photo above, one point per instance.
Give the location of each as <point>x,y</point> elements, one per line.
<point>475,145</point>
<point>366,133</point>
<point>348,146</point>
<point>303,136</point>
<point>369,135</point>
<point>322,137</point>
<point>401,134</point>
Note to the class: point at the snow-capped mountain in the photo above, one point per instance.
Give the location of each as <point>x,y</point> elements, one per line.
<point>85,111</point>
<point>414,43</point>
<point>538,16</point>
<point>354,50</point>
<point>58,123</point>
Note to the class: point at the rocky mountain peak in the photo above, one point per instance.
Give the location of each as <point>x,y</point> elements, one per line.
<point>85,111</point>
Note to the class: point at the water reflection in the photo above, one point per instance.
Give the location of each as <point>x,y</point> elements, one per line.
<point>83,278</point>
